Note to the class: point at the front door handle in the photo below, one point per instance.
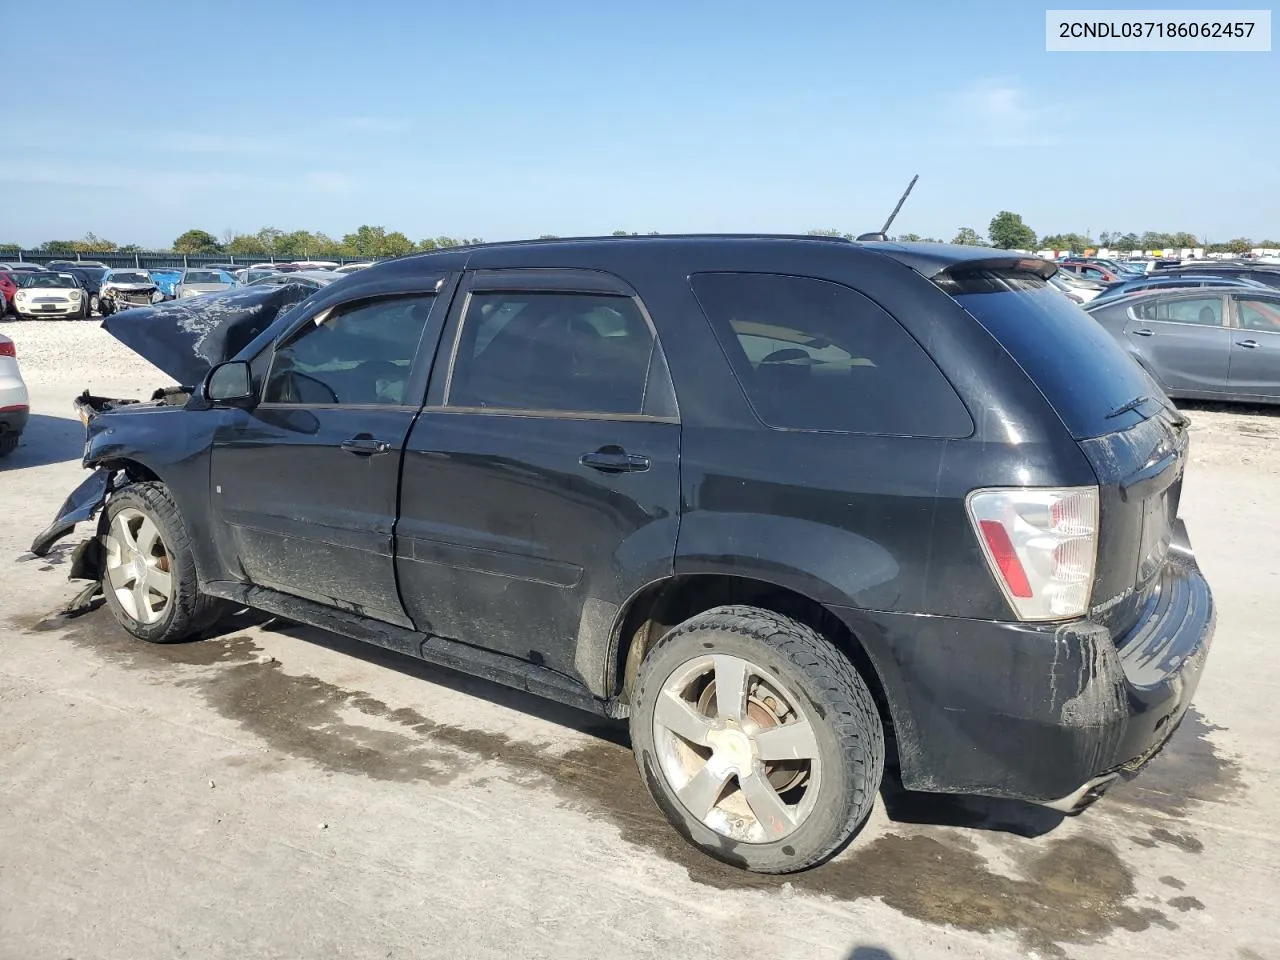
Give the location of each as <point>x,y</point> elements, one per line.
<point>365,445</point>
<point>1144,332</point>
<point>613,459</point>
<point>1249,344</point>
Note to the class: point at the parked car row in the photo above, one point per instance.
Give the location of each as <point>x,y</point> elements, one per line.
<point>1200,329</point>
<point>78,289</point>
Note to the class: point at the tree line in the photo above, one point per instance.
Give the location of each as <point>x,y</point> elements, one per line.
<point>367,241</point>
<point>1007,230</point>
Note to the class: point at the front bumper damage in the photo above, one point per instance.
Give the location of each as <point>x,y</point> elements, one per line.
<point>116,299</point>
<point>84,504</point>
<point>87,500</point>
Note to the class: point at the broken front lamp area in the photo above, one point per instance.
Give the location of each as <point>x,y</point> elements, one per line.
<point>1041,546</point>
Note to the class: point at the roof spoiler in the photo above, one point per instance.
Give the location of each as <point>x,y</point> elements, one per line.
<point>1012,263</point>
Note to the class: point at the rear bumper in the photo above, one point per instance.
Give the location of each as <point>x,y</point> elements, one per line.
<point>13,418</point>
<point>1046,713</point>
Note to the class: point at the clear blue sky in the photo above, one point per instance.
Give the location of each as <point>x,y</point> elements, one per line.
<point>511,119</point>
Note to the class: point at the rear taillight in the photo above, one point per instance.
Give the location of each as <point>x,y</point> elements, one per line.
<point>8,350</point>
<point>1041,545</point>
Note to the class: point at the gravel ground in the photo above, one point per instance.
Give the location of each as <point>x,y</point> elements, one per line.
<point>70,351</point>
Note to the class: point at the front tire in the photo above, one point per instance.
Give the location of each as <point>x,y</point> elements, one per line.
<point>149,573</point>
<point>780,776</point>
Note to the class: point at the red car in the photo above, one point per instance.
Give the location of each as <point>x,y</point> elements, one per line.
<point>8,287</point>
<point>1090,270</point>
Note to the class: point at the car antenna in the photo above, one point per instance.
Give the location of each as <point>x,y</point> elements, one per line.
<point>884,231</point>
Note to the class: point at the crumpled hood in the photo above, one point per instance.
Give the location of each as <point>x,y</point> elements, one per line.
<point>186,338</point>
<point>129,286</point>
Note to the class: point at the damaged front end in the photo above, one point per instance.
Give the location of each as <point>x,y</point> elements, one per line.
<point>124,441</point>
<point>117,297</point>
<point>84,504</point>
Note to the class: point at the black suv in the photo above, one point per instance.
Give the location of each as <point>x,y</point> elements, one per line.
<point>789,504</point>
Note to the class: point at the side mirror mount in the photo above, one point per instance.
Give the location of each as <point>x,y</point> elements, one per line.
<point>230,384</point>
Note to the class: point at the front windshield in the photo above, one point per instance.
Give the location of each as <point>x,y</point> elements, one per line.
<point>132,276</point>
<point>202,276</point>
<point>49,280</point>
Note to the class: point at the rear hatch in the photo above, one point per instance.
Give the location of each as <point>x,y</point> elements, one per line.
<point>1127,428</point>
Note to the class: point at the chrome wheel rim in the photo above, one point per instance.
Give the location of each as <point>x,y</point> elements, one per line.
<point>139,567</point>
<point>736,749</point>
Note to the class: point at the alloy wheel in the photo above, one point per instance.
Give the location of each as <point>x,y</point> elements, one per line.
<point>139,566</point>
<point>737,749</point>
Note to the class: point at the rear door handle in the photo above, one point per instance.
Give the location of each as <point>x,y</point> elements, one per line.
<point>614,460</point>
<point>365,446</point>
<point>1248,344</point>
<point>1144,332</point>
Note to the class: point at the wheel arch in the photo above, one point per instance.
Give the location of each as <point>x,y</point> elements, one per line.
<point>658,607</point>
<point>135,470</point>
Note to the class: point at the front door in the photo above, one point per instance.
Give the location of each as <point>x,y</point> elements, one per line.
<point>541,482</point>
<point>306,484</point>
<point>1184,339</point>
<point>1255,346</point>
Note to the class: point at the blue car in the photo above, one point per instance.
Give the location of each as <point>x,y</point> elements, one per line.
<point>167,280</point>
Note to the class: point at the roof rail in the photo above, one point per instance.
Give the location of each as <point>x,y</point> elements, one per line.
<point>646,236</point>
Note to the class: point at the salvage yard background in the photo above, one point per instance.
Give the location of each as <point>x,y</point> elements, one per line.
<point>284,792</point>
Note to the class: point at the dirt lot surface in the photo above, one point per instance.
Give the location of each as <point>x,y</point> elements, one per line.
<point>282,792</point>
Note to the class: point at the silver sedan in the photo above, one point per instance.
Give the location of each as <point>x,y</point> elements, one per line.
<point>195,281</point>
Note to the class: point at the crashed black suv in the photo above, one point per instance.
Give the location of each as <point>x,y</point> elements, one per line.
<point>797,507</point>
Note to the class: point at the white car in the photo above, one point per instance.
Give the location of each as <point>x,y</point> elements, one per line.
<point>14,403</point>
<point>48,294</point>
<point>352,267</point>
<point>1076,289</point>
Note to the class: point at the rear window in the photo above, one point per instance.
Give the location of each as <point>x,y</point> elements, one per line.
<point>816,355</point>
<point>1077,365</point>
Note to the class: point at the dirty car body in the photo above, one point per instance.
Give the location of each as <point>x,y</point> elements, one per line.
<point>550,546</point>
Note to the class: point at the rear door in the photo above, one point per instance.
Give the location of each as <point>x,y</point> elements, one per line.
<point>1183,339</point>
<point>1255,345</point>
<point>542,482</point>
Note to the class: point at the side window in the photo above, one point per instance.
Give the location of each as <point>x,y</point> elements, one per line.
<point>355,354</point>
<point>816,355</point>
<point>1093,273</point>
<point>1205,311</point>
<point>1145,311</point>
<point>1260,315</point>
<point>571,352</point>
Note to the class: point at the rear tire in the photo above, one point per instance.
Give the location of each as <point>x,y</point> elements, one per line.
<point>149,573</point>
<point>782,777</point>
<point>8,443</point>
